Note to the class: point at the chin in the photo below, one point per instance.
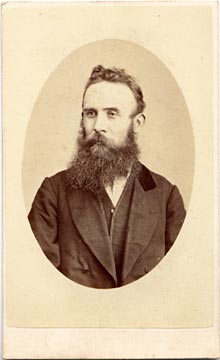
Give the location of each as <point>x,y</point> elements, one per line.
<point>99,150</point>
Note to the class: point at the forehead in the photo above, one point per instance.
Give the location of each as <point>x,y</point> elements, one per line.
<point>107,94</point>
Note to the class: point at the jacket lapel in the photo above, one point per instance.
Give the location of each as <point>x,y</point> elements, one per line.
<point>88,216</point>
<point>143,219</point>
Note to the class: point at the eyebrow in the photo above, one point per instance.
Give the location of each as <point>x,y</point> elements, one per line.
<point>89,109</point>
<point>112,109</point>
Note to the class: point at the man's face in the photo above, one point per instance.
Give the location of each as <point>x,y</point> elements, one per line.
<point>107,110</point>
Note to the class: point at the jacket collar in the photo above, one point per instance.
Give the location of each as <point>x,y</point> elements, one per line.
<point>145,178</point>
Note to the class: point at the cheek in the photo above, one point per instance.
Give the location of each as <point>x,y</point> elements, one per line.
<point>120,132</point>
<point>88,126</point>
<point>118,137</point>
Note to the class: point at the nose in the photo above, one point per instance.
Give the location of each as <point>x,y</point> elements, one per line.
<point>100,123</point>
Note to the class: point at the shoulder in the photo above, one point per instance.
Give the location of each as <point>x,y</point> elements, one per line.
<point>58,177</point>
<point>51,190</point>
<point>151,180</point>
<point>161,181</point>
<point>55,182</point>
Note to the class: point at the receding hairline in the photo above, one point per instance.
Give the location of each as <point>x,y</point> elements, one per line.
<point>111,83</point>
<point>124,85</point>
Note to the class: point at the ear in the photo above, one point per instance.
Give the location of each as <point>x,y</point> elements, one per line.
<point>138,122</point>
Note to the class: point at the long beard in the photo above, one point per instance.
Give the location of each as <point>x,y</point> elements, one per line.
<point>98,163</point>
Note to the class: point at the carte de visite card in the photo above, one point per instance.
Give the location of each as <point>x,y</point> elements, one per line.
<point>109,151</point>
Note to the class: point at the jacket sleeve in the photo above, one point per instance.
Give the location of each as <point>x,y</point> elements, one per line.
<point>43,221</point>
<point>174,217</point>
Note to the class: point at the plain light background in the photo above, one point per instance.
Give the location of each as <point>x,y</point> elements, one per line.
<point>177,298</point>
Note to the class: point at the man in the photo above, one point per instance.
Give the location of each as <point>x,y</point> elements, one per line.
<point>107,220</point>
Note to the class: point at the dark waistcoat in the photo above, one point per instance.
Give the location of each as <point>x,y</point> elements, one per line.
<point>117,218</point>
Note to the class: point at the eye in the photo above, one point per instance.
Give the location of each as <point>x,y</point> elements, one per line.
<point>112,114</point>
<point>90,113</point>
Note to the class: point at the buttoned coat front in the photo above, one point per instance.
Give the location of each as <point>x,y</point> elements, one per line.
<point>69,228</point>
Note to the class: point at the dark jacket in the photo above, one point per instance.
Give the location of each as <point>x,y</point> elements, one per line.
<point>66,223</point>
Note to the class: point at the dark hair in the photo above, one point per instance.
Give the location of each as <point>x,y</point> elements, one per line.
<point>115,75</point>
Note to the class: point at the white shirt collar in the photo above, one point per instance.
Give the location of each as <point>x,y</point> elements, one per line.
<point>116,190</point>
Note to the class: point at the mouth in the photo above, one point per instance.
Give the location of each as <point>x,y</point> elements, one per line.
<point>98,145</point>
<point>97,140</point>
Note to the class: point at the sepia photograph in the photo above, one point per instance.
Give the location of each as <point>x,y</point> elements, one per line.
<point>110,155</point>
<point>107,220</point>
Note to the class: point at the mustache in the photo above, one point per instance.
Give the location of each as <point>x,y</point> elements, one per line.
<point>96,139</point>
